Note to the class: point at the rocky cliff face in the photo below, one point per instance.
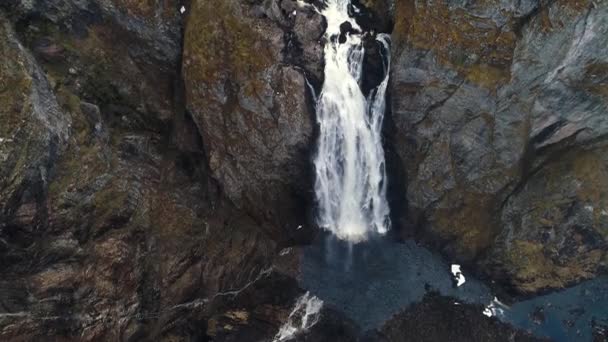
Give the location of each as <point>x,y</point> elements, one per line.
<point>154,163</point>
<point>500,122</point>
<point>111,228</point>
<point>246,87</point>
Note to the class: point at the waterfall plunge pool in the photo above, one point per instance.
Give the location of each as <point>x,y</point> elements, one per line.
<point>372,281</point>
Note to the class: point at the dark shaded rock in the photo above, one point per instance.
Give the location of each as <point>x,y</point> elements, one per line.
<point>375,63</point>
<point>346,28</point>
<point>443,319</point>
<point>331,326</point>
<point>374,15</point>
<point>538,316</point>
<point>600,331</point>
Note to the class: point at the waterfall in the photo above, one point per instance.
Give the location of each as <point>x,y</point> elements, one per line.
<point>350,183</point>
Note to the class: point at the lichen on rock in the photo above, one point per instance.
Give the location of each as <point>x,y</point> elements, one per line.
<point>252,105</point>
<point>504,97</point>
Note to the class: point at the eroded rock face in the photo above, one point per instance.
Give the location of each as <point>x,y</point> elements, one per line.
<point>246,88</point>
<point>110,226</point>
<point>33,134</point>
<point>123,55</point>
<point>499,110</point>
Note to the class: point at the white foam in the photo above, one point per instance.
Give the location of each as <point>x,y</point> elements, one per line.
<point>495,308</point>
<point>304,315</point>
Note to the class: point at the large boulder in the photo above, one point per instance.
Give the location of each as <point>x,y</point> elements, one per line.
<point>249,97</point>
<point>500,121</point>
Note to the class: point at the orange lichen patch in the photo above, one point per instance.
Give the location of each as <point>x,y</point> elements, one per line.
<point>140,8</point>
<point>174,220</point>
<point>596,76</point>
<point>238,315</point>
<point>470,226</point>
<point>112,266</point>
<point>586,169</point>
<point>592,174</point>
<point>15,86</point>
<point>486,75</point>
<point>545,21</point>
<point>219,39</point>
<point>227,321</point>
<point>577,5</point>
<point>405,12</point>
<point>536,265</point>
<point>532,270</point>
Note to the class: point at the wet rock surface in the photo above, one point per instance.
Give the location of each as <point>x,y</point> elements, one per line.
<point>501,130</point>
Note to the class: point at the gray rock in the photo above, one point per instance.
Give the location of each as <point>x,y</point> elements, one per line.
<point>490,117</point>
<point>255,113</point>
<point>34,133</point>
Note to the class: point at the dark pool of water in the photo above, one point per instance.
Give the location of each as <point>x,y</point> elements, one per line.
<point>565,315</point>
<point>370,282</point>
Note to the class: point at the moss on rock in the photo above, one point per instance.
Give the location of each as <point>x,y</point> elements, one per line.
<point>477,47</point>
<point>556,228</point>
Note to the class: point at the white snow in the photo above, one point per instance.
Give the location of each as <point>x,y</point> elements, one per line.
<point>495,308</point>
<point>457,273</point>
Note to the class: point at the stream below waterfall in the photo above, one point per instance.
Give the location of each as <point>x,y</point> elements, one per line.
<point>370,282</point>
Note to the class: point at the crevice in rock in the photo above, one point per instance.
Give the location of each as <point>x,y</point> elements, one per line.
<point>524,21</point>
<point>440,103</point>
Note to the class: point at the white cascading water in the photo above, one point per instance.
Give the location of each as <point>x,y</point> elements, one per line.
<point>350,181</point>
<point>304,315</point>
